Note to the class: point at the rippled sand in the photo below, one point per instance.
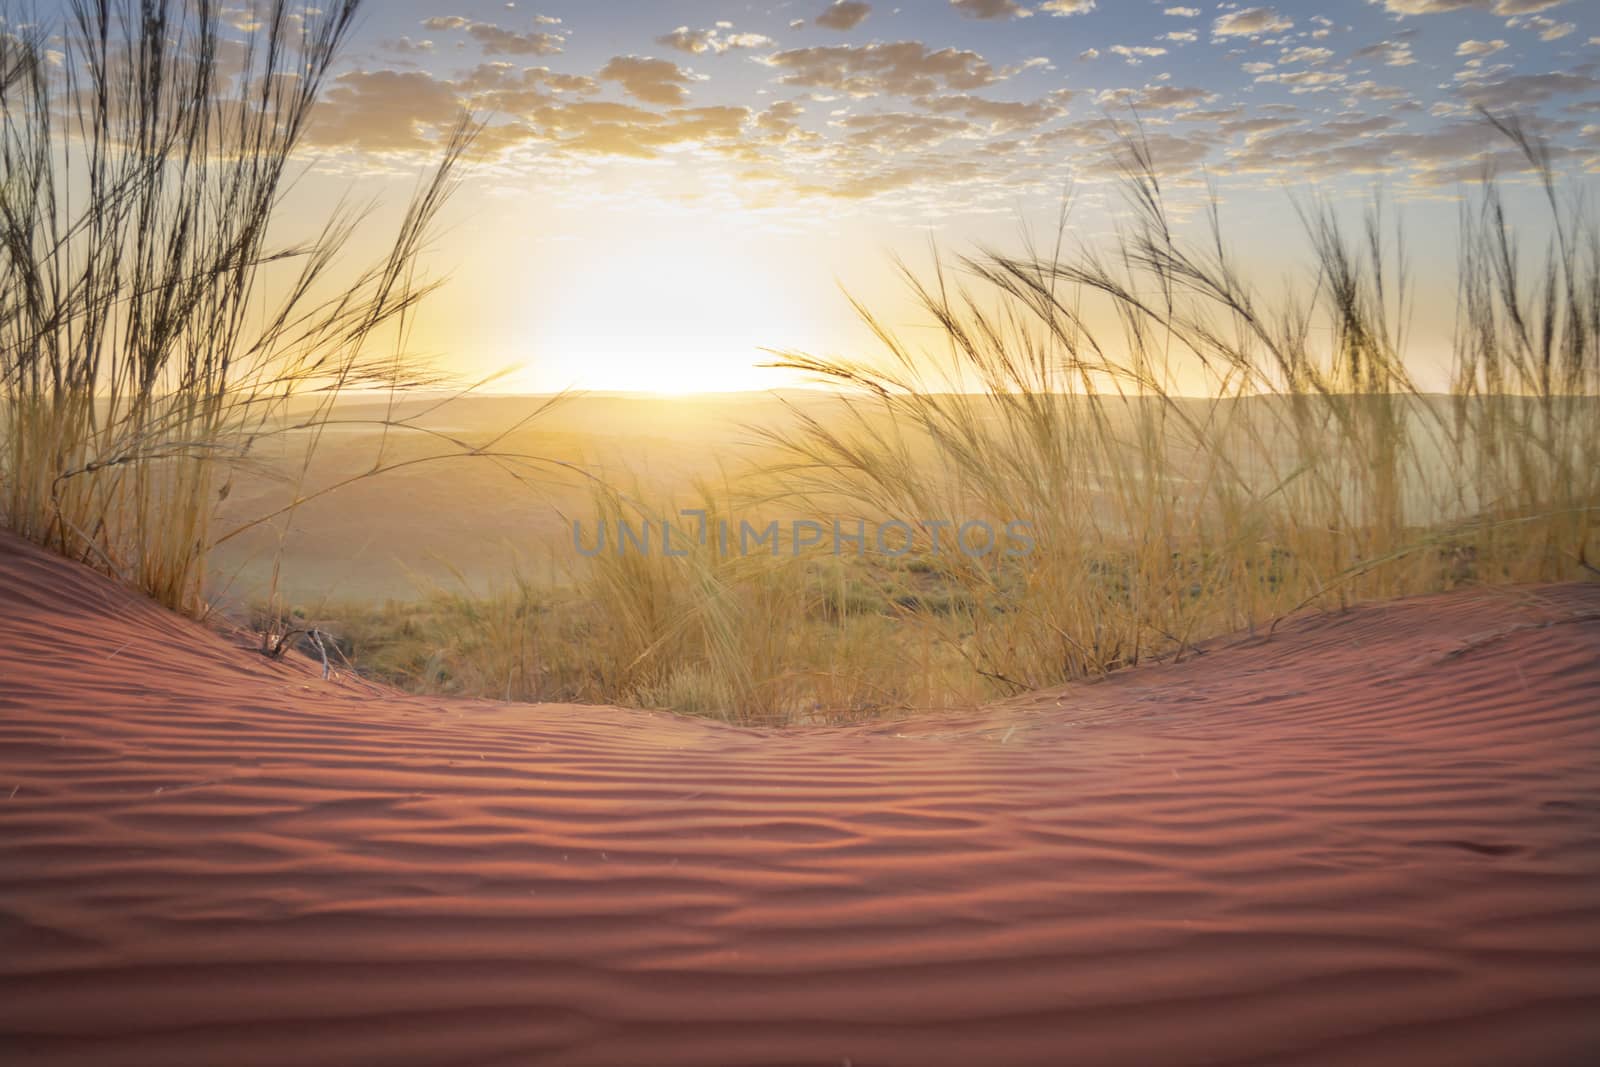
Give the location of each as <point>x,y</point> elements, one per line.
<point>1374,838</point>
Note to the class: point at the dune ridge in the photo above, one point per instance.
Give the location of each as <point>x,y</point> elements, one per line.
<point>1373,838</point>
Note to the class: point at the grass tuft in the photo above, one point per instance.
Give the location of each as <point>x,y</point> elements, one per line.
<point>155,323</point>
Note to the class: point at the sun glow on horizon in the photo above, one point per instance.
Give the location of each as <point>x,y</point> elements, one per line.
<point>688,309</point>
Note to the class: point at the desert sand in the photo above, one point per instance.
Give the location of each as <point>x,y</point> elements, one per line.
<point>1373,838</point>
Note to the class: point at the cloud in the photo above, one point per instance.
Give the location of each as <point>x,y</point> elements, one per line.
<point>1254,127</point>
<point>1175,157</point>
<point>1371,90</point>
<point>1548,29</point>
<point>605,129</point>
<point>1523,90</point>
<point>1250,22</point>
<point>1002,116</point>
<point>1160,97</point>
<point>902,68</point>
<point>844,15</point>
<point>1063,8</point>
<point>1524,7</point>
<point>1306,54</point>
<point>383,111</point>
<point>990,9</point>
<point>1354,144</point>
<point>897,133</point>
<point>696,42</point>
<point>1305,81</point>
<point>655,81</point>
<point>242,19</point>
<point>911,120</point>
<point>1393,53</point>
<point>500,42</point>
<point>1440,7</point>
<point>1345,142</point>
<point>1135,53</point>
<point>778,124</point>
<point>497,41</point>
<point>405,46</point>
<point>931,171</point>
<point>501,88</point>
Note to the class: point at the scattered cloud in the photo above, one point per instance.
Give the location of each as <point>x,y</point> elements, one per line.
<point>504,89</point>
<point>844,15</point>
<point>1512,91</point>
<point>873,117</point>
<point>1440,7</point>
<point>1304,81</point>
<point>1305,54</point>
<point>1547,29</point>
<point>1169,97</point>
<point>1135,53</point>
<point>1392,53</point>
<point>898,133</point>
<point>597,128</point>
<point>1250,22</point>
<point>990,9</point>
<point>1524,7</point>
<point>1063,8</point>
<point>655,81</point>
<point>383,111</point>
<point>715,40</point>
<point>405,46</point>
<point>902,68</point>
<point>1002,116</point>
<point>497,41</point>
<point>243,19</point>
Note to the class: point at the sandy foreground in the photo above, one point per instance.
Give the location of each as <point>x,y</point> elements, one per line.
<point>1375,838</point>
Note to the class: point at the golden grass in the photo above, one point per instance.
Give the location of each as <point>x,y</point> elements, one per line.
<point>757,639</point>
<point>142,356</point>
<point>142,363</point>
<point>1314,473</point>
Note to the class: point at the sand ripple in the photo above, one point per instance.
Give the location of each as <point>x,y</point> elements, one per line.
<point>1375,838</point>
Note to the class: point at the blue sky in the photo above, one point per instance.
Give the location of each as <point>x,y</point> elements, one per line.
<point>1314,89</point>
<point>725,164</point>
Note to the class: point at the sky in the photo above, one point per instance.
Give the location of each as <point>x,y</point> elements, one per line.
<point>665,187</point>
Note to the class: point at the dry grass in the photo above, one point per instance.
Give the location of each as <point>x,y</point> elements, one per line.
<point>142,361</point>
<point>142,353</point>
<point>1315,472</point>
<point>758,639</point>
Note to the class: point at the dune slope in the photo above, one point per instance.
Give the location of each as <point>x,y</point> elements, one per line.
<point>1375,838</point>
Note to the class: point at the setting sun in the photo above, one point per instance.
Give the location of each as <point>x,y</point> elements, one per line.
<point>946,533</point>
<point>681,312</point>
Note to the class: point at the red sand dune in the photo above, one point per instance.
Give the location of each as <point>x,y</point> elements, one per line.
<point>1375,838</point>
